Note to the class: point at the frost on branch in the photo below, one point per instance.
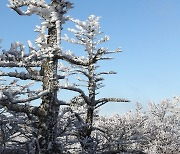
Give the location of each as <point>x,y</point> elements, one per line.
<point>87,35</point>
<point>153,131</point>
<point>39,64</point>
<point>13,93</point>
<point>50,14</point>
<point>15,131</point>
<point>77,127</point>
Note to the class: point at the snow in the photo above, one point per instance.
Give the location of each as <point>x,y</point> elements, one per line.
<point>152,131</point>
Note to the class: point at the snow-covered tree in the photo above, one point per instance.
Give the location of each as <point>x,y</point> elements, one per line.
<point>163,126</point>
<point>40,65</point>
<point>49,128</point>
<point>154,131</point>
<point>87,34</point>
<point>15,130</point>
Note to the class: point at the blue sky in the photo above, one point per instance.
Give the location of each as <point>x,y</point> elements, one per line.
<point>148,32</point>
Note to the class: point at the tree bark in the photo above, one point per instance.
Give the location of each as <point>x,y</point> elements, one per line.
<point>48,124</point>
<point>89,146</point>
<point>92,90</point>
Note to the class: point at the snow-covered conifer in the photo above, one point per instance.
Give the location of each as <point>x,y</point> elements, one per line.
<point>87,34</point>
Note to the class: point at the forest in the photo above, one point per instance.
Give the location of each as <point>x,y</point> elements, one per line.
<point>38,121</point>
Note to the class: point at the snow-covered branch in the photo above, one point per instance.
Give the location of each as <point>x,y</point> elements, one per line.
<point>73,59</point>
<point>39,7</point>
<point>84,72</point>
<point>102,101</point>
<point>81,92</point>
<point>13,93</point>
<point>21,108</point>
<point>111,100</point>
<point>33,71</point>
<point>106,73</point>
<point>21,75</point>
<point>34,97</point>
<point>19,64</point>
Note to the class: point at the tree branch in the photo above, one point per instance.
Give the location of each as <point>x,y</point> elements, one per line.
<point>83,72</point>
<point>61,102</point>
<point>19,11</point>
<point>104,73</point>
<point>21,108</point>
<point>86,98</point>
<point>43,93</point>
<point>15,5</point>
<point>20,64</point>
<point>21,75</point>
<point>72,60</point>
<point>33,71</point>
<point>103,101</point>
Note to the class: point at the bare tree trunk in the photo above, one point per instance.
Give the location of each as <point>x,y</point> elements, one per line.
<point>48,124</point>
<point>89,146</point>
<point>91,89</point>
